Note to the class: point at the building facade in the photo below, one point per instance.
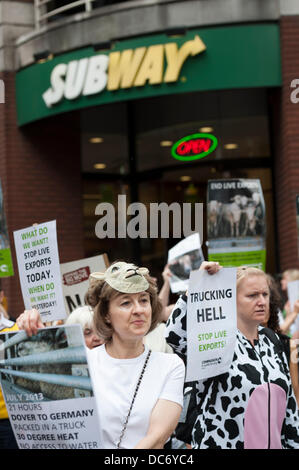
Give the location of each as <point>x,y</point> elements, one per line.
<point>96,96</point>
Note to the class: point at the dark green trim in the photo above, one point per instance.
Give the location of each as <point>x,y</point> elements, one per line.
<point>236,57</point>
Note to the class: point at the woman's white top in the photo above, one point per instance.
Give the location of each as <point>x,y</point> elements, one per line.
<point>114,382</point>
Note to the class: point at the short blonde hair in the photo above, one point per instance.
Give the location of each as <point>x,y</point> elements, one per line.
<point>293,274</point>
<point>246,271</point>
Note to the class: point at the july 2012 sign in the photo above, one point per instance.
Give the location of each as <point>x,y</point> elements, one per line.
<point>48,389</point>
<point>211,323</point>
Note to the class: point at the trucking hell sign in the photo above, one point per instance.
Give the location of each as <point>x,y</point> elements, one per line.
<point>211,323</point>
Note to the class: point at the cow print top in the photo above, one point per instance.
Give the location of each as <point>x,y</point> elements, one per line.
<point>223,400</point>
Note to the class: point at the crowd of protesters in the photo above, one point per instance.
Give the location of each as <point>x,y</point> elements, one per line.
<point>138,370</point>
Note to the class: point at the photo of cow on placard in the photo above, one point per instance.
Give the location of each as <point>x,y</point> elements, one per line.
<point>50,365</point>
<point>235,210</point>
<point>181,266</point>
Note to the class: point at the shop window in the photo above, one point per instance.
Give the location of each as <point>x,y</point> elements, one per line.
<point>104,141</point>
<point>239,120</point>
<point>135,163</point>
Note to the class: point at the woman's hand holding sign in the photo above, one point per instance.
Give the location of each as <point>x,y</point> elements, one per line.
<point>212,267</point>
<point>30,321</point>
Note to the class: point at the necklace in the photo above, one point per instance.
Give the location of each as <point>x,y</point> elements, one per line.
<point>133,399</point>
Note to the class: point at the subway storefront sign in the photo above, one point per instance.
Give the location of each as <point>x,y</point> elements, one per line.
<point>120,69</point>
<point>202,59</point>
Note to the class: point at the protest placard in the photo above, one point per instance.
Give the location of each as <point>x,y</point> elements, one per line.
<point>6,267</point>
<point>39,270</point>
<point>184,257</point>
<point>48,390</point>
<point>293,295</point>
<point>236,223</point>
<point>211,323</point>
<point>75,279</point>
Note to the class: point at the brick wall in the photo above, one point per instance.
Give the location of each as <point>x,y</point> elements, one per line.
<point>41,178</point>
<point>287,158</point>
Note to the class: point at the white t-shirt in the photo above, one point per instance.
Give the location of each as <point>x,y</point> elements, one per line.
<point>114,382</point>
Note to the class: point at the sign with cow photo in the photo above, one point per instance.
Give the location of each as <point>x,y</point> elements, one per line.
<point>236,223</point>
<point>48,390</point>
<point>184,257</point>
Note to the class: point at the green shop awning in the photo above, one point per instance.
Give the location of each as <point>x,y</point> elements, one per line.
<point>214,58</point>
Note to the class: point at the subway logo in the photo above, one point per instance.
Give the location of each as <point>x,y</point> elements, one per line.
<point>156,64</point>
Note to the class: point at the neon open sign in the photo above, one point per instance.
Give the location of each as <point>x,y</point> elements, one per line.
<point>194,147</point>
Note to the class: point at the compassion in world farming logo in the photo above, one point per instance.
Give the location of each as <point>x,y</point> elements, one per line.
<point>156,220</point>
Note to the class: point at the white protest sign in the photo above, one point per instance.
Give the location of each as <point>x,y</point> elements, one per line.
<point>39,270</point>
<point>293,295</point>
<point>211,323</point>
<point>50,401</point>
<point>75,279</point>
<point>184,257</point>
<point>6,267</point>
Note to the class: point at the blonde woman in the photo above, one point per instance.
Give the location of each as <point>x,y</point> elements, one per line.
<point>253,404</point>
